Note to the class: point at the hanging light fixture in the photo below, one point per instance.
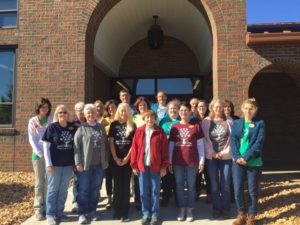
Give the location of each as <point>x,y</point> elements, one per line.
<point>155,35</point>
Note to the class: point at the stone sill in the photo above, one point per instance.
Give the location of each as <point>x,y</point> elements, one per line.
<point>8,131</point>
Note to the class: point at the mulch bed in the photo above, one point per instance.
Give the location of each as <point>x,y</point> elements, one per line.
<point>279,202</point>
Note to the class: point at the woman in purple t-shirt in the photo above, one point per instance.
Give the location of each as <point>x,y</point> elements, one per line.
<point>187,158</point>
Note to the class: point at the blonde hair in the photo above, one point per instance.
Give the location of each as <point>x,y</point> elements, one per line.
<point>129,123</point>
<point>250,101</point>
<point>58,108</point>
<point>212,114</point>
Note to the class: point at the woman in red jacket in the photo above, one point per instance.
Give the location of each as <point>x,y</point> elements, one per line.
<point>149,161</point>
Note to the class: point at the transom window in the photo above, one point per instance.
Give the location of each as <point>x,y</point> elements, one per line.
<point>178,87</point>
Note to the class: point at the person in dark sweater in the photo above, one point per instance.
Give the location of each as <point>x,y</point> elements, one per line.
<point>120,136</point>
<point>59,157</point>
<point>91,158</point>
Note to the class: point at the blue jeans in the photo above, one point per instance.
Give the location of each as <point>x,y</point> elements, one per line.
<point>58,183</point>
<point>149,192</point>
<point>89,182</point>
<point>188,173</point>
<point>252,176</point>
<point>219,174</point>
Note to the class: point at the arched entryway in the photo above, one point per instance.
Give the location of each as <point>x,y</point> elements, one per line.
<point>277,93</point>
<point>119,26</point>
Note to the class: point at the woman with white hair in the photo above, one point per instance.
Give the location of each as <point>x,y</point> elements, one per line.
<point>120,136</point>
<point>91,158</point>
<point>59,157</point>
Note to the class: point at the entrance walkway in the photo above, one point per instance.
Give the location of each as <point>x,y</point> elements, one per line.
<point>202,213</point>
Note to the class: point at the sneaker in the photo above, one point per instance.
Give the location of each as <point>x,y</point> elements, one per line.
<point>82,219</point>
<point>61,217</point>
<point>94,216</point>
<point>145,220</point>
<point>154,220</point>
<point>125,219</point>
<point>109,202</point>
<point>189,215</point>
<point>181,214</point>
<point>74,207</point>
<point>39,216</point>
<point>51,220</point>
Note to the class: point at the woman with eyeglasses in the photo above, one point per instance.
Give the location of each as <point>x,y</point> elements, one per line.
<point>77,119</point>
<point>186,159</point>
<point>36,128</point>
<point>168,182</point>
<point>59,157</point>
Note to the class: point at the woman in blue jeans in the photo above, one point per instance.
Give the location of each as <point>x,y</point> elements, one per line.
<point>216,129</point>
<point>59,157</point>
<point>91,158</point>
<point>187,159</point>
<point>246,142</point>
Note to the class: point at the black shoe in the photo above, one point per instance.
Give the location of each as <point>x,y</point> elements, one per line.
<point>116,217</point>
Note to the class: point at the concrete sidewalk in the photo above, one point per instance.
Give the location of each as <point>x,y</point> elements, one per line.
<point>168,215</point>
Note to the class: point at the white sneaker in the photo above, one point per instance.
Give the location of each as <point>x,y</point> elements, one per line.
<point>94,216</point>
<point>51,220</point>
<point>74,207</point>
<point>189,215</point>
<point>82,219</point>
<point>181,214</point>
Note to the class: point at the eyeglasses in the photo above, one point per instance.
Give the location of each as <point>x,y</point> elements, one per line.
<point>64,112</point>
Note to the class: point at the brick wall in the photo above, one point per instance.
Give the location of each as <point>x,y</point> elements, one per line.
<point>173,59</point>
<point>55,42</point>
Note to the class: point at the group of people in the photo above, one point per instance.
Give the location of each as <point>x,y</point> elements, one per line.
<point>167,146</point>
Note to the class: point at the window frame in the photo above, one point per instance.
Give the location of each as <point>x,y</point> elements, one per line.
<point>10,11</point>
<point>13,103</point>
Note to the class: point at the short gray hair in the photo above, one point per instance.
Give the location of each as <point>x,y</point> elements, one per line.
<point>79,106</point>
<point>89,107</point>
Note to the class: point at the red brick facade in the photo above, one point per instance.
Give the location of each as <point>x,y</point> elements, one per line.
<point>55,42</point>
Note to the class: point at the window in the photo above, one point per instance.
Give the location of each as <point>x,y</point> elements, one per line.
<point>175,85</point>
<point>7,74</point>
<point>145,87</point>
<point>8,13</point>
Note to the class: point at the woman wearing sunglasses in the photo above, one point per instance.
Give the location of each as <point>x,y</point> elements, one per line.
<point>59,157</point>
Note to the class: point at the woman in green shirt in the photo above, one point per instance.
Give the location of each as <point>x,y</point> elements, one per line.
<point>246,143</point>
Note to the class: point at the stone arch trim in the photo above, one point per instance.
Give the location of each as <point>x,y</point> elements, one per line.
<point>220,37</point>
<point>95,10</point>
<point>290,66</point>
